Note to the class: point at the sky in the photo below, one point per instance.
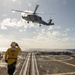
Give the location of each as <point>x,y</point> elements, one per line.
<point>14,28</point>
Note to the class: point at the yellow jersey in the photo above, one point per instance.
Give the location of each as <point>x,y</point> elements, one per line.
<point>12,54</point>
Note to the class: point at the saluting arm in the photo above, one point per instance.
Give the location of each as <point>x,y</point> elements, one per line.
<point>19,49</point>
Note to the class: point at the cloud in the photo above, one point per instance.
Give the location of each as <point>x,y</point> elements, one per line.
<point>41,40</point>
<point>21,30</point>
<point>42,31</point>
<point>54,39</point>
<point>34,32</point>
<point>64,35</point>
<point>14,0</point>
<point>53,35</point>
<point>67,29</point>
<point>20,2</point>
<point>4,15</point>
<point>54,27</point>
<point>51,28</point>
<point>16,24</point>
<point>10,23</point>
<point>46,35</point>
<point>3,27</point>
<point>29,4</point>
<point>66,39</point>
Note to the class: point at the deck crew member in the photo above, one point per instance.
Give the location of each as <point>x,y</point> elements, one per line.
<point>11,56</point>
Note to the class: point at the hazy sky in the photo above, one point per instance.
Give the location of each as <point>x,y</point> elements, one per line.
<point>14,28</point>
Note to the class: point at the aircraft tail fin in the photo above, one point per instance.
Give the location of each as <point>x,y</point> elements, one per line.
<point>50,22</point>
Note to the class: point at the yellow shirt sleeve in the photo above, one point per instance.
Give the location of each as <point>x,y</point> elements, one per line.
<point>19,49</point>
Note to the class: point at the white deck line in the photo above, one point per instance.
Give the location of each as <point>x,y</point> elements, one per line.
<point>33,65</point>
<point>26,66</point>
<point>69,73</point>
<point>37,71</point>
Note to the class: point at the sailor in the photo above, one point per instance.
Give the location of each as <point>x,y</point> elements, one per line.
<point>11,57</point>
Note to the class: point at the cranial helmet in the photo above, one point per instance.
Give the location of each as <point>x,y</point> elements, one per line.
<point>13,44</point>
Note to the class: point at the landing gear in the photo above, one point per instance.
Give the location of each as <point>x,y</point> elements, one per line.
<point>33,21</point>
<point>28,22</point>
<point>40,25</point>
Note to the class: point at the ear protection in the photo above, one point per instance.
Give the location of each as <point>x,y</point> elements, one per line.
<point>13,44</point>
